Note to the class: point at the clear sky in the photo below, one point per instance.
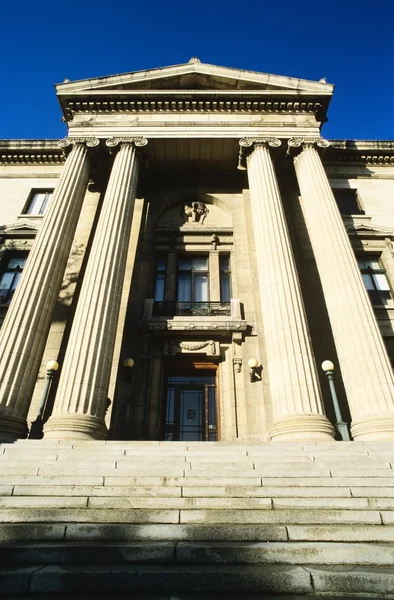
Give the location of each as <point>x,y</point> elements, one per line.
<point>350,42</point>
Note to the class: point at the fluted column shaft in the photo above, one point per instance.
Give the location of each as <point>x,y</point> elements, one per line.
<point>365,365</point>
<point>295,392</point>
<point>25,329</point>
<point>81,400</point>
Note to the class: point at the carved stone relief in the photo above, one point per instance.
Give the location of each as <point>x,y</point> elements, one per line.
<point>208,347</point>
<point>195,212</point>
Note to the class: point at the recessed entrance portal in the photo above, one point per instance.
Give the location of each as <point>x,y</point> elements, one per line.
<point>190,410</point>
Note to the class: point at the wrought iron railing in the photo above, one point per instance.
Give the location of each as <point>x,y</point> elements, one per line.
<point>192,309</point>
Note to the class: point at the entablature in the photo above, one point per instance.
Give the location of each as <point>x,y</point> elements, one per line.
<point>363,152</point>
<point>31,151</point>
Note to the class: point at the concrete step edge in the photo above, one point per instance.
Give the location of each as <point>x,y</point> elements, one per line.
<point>276,579</point>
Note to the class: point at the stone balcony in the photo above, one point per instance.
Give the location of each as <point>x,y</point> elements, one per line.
<point>219,317</point>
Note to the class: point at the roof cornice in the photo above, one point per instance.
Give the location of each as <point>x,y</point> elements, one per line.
<point>31,151</point>
<point>374,152</point>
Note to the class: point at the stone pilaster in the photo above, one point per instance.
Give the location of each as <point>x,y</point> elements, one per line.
<point>365,366</point>
<point>170,283</point>
<point>214,276</point>
<point>295,392</point>
<point>25,329</point>
<point>81,400</point>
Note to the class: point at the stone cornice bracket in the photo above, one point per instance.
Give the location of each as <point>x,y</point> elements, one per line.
<point>114,144</point>
<point>295,144</point>
<point>67,143</point>
<point>246,146</point>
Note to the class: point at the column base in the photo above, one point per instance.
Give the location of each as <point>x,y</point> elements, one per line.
<point>12,428</point>
<point>377,428</point>
<point>75,427</point>
<point>303,428</point>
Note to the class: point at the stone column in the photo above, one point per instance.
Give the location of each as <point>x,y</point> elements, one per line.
<point>25,329</point>
<point>365,366</point>
<point>295,392</point>
<point>81,400</point>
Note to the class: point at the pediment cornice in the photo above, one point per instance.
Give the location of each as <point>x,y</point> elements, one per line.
<point>194,75</point>
<point>194,87</point>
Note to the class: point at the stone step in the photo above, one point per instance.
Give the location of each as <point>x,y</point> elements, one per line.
<point>290,553</point>
<point>220,532</point>
<point>178,503</point>
<point>233,491</point>
<point>275,579</point>
<point>357,485</point>
<point>200,516</point>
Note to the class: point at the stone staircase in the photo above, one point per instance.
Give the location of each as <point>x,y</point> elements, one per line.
<point>166,519</point>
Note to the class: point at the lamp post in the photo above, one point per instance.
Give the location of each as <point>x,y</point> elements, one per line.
<point>328,368</point>
<point>35,432</point>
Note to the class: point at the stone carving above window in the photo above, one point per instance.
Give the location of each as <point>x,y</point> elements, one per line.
<point>208,347</point>
<point>195,212</point>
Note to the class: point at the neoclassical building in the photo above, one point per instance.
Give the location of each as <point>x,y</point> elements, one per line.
<point>189,255</point>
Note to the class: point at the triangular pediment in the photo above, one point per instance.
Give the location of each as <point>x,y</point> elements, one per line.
<point>375,230</point>
<point>18,228</point>
<point>194,76</point>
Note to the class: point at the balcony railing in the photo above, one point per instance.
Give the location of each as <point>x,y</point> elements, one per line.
<point>193,309</point>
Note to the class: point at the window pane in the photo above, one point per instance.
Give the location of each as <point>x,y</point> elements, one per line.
<point>200,264</point>
<point>17,276</point>
<point>38,202</point>
<point>368,282</point>
<point>159,287</point>
<point>225,293</point>
<point>347,201</point>
<point>381,282</point>
<point>161,264</point>
<point>16,262</point>
<point>224,263</point>
<point>372,264</point>
<point>184,288</point>
<point>201,288</point>
<point>185,264</point>
<point>6,281</point>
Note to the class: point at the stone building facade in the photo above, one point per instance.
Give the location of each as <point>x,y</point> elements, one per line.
<point>189,254</point>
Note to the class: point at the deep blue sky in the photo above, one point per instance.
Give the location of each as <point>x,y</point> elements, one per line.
<point>350,42</point>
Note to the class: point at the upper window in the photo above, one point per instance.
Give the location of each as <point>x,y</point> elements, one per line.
<point>160,279</point>
<point>192,279</point>
<point>225,278</point>
<point>348,201</point>
<point>38,202</point>
<point>10,275</point>
<point>375,280</point>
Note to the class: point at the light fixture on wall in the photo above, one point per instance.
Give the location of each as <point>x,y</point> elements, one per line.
<point>35,432</point>
<point>253,364</point>
<point>328,368</point>
<point>128,365</point>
